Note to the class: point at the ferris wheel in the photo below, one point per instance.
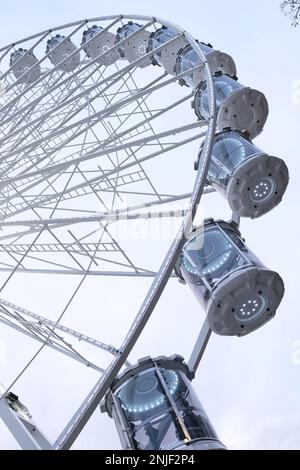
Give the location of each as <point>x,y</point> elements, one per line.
<point>98,122</point>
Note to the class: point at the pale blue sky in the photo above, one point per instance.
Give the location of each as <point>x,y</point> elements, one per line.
<point>249,386</point>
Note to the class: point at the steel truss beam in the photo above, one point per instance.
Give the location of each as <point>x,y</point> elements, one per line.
<point>140,142</point>
<point>37,327</point>
<point>97,179</point>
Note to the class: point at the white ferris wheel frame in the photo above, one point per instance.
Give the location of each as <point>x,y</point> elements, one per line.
<point>19,423</point>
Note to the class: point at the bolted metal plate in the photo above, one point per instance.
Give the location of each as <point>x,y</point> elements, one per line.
<point>244,109</point>
<point>136,47</point>
<point>218,61</point>
<point>24,65</point>
<point>244,301</point>
<point>62,52</point>
<point>169,54</point>
<point>257,186</point>
<point>99,47</point>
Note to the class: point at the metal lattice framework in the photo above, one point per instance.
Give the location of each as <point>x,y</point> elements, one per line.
<point>80,152</point>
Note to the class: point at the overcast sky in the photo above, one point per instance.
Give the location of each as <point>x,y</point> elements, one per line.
<point>249,386</point>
